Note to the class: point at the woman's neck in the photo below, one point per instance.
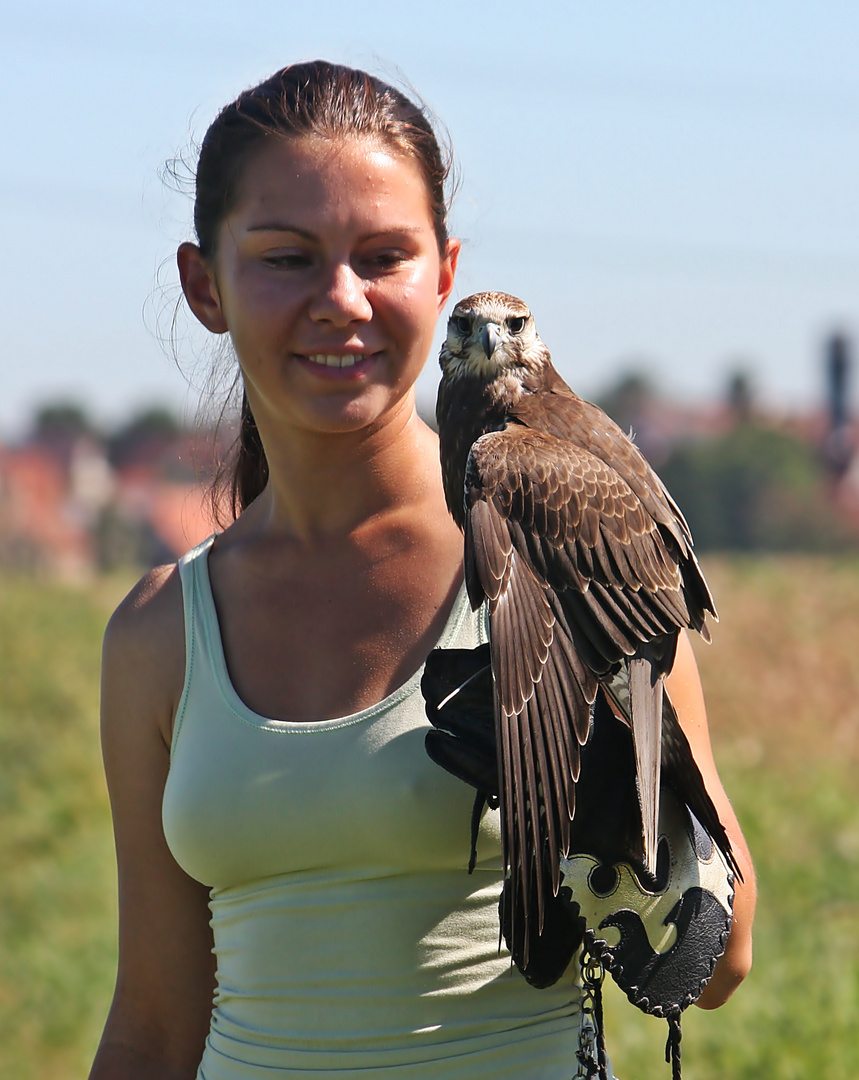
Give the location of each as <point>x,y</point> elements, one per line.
<point>324,485</point>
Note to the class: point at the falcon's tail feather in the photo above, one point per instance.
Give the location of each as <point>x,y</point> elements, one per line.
<point>645,694</point>
<point>680,771</point>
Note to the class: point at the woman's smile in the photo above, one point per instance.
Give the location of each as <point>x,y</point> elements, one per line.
<point>331,360</point>
<point>341,367</point>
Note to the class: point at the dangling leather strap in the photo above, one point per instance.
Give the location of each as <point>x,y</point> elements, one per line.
<point>672,1046</point>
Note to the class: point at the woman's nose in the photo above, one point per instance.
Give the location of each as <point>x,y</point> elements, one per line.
<point>340,298</point>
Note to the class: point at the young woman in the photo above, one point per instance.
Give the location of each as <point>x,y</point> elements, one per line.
<point>285,847</point>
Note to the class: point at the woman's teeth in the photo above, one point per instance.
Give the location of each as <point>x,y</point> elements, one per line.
<point>329,360</point>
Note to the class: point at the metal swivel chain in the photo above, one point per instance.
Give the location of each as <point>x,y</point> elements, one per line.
<point>591,1054</point>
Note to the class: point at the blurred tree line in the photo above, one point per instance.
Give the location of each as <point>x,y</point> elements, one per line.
<point>744,481</point>
<point>68,420</point>
<point>754,486</point>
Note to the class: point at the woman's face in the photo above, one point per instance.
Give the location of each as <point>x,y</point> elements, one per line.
<point>329,279</point>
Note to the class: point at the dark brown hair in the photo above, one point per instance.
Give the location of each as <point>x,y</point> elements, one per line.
<point>316,98</point>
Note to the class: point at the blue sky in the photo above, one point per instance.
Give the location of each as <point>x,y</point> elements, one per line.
<point>669,185</point>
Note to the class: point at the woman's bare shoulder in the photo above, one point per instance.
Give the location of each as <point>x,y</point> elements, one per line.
<point>144,647</point>
<point>150,616</point>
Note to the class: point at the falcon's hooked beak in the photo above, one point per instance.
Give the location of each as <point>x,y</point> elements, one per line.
<point>489,338</point>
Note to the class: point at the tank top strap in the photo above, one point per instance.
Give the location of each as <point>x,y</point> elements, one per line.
<point>201,622</point>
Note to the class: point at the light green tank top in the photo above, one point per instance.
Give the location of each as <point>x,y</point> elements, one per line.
<point>350,939</point>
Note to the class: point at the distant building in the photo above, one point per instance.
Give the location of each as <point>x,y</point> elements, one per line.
<point>41,527</point>
<point>66,510</point>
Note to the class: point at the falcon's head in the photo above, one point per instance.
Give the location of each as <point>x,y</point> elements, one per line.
<point>491,334</point>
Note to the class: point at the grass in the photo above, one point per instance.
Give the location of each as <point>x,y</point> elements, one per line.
<point>57,905</point>
<point>782,683</point>
<point>782,686</point>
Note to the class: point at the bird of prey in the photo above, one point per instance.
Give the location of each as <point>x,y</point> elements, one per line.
<point>587,568</point>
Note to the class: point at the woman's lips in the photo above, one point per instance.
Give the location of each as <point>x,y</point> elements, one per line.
<point>334,360</point>
<point>338,365</point>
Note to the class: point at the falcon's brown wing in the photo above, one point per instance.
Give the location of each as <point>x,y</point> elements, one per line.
<point>579,576</point>
<point>554,409</point>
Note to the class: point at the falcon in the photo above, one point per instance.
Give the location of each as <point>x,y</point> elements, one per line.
<point>587,569</point>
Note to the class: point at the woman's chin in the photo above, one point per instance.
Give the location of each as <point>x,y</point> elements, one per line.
<point>369,411</point>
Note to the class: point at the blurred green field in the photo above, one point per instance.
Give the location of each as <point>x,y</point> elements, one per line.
<point>57,880</point>
<point>782,682</point>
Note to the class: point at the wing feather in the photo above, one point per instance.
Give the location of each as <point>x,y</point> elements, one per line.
<point>522,632</point>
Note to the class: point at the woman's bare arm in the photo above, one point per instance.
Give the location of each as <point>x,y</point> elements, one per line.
<point>684,686</point>
<point>159,1019</point>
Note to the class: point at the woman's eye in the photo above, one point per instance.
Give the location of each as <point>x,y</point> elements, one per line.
<point>292,260</point>
<point>516,325</point>
<point>385,260</point>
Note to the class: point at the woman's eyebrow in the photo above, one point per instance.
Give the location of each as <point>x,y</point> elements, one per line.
<point>279,226</point>
<point>395,230</point>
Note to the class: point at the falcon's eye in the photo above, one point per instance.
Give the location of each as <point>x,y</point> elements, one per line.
<point>516,324</point>
<point>462,323</point>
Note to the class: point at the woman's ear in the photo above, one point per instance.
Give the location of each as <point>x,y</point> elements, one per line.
<point>200,288</point>
<point>447,271</point>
